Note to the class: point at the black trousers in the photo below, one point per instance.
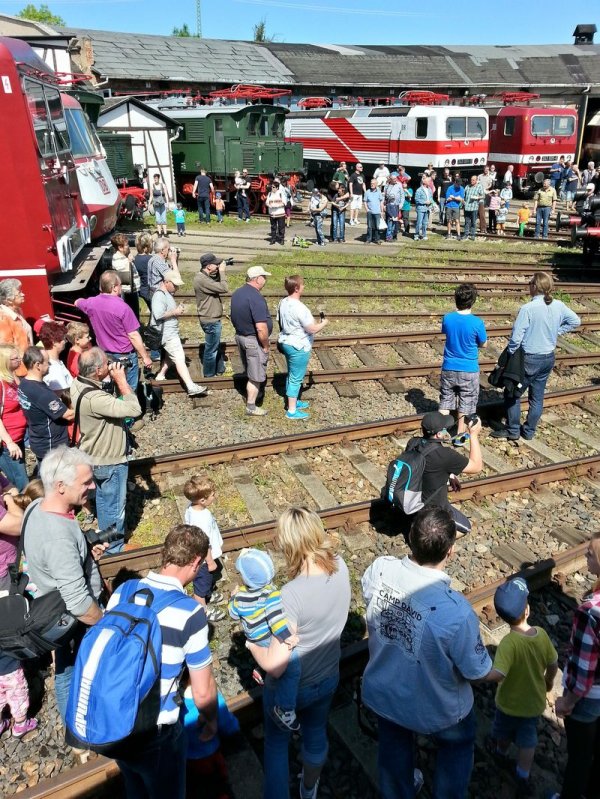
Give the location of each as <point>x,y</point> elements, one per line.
<point>277,229</point>
<point>582,774</point>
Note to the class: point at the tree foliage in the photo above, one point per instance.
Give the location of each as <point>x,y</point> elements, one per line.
<point>184,31</point>
<point>41,14</point>
<point>260,32</point>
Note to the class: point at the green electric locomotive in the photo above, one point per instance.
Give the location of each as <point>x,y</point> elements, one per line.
<point>226,138</point>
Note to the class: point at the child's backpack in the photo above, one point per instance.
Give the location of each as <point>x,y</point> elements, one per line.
<point>404,481</point>
<point>114,698</point>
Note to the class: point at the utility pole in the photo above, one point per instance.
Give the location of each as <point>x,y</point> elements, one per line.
<point>198,19</point>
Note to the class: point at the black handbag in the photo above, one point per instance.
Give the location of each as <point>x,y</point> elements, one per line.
<point>152,337</point>
<point>32,627</point>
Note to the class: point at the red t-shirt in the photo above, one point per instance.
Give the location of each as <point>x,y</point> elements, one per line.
<point>73,362</point>
<point>13,417</point>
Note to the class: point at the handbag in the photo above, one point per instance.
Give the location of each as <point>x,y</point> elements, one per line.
<point>152,337</point>
<point>31,627</point>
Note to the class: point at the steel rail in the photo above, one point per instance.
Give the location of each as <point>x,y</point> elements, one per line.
<point>234,538</point>
<point>177,462</point>
<point>406,337</point>
<point>314,377</point>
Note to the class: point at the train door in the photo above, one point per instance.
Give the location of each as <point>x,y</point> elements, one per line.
<point>57,170</point>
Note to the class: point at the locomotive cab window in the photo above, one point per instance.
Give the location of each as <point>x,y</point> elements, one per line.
<point>509,126</point>
<point>564,126</point>
<point>476,127</point>
<point>456,127</point>
<point>39,117</point>
<point>59,126</point>
<point>84,141</point>
<point>253,120</point>
<point>219,135</point>
<point>421,129</point>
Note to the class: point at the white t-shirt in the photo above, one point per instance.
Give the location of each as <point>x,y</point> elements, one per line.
<point>294,317</point>
<point>381,175</point>
<point>208,524</point>
<point>58,376</point>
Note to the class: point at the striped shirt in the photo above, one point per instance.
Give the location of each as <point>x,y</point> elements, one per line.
<point>184,640</point>
<point>260,612</point>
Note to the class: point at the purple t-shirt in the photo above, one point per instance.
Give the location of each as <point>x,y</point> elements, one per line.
<point>112,319</point>
<point>8,543</point>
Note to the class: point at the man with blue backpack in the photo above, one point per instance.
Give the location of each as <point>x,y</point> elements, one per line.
<point>125,696</point>
<point>419,477</point>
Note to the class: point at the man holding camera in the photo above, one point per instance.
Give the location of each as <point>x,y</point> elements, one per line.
<point>210,284</point>
<point>100,421</point>
<point>164,260</point>
<point>443,464</point>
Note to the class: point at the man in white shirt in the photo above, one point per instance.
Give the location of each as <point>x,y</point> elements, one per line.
<point>508,176</point>
<point>381,175</point>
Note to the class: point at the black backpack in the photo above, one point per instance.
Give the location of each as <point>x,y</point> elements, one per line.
<point>404,481</point>
<point>150,398</point>
<point>32,627</point>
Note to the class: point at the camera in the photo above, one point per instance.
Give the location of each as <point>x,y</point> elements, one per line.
<point>108,536</point>
<point>471,419</point>
<point>322,315</point>
<point>176,250</point>
<point>228,261</point>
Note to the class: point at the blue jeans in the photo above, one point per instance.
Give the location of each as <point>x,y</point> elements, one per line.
<point>297,362</point>
<point>442,219</point>
<point>422,220</point>
<point>392,229</point>
<point>111,495</point>
<point>373,227</point>
<point>285,688</point>
<point>159,770</point>
<point>542,217</point>
<point>14,469</point>
<point>312,709</point>
<point>317,221</point>
<point>132,370</point>
<point>243,207</point>
<point>537,371</point>
<point>471,223</point>
<point>212,360</point>
<point>203,209</point>
<point>64,661</point>
<point>338,225</point>
<point>396,759</point>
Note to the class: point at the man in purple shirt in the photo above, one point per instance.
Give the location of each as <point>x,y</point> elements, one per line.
<point>116,327</point>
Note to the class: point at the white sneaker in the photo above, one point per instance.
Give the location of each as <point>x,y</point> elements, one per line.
<point>418,780</point>
<point>158,378</point>
<point>194,390</point>
<point>306,794</point>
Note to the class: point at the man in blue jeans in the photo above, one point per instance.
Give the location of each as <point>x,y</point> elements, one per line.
<point>203,189</point>
<point>210,284</point>
<point>544,204</point>
<point>424,652</point>
<point>58,555</point>
<point>537,327</point>
<point>99,419</point>
<point>374,207</point>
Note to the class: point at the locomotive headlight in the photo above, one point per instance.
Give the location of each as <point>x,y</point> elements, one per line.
<point>447,162</point>
<point>532,158</point>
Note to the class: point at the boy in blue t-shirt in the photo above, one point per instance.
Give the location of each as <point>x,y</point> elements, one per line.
<point>180,219</point>
<point>465,334</point>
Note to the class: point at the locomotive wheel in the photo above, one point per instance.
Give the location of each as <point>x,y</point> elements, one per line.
<point>255,203</point>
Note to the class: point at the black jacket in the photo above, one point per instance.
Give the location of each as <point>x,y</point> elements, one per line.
<point>509,374</point>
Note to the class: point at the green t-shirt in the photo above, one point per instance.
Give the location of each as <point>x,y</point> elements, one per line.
<point>523,660</point>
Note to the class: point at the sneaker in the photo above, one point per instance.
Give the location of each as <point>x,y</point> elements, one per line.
<point>159,377</point>
<point>255,412</point>
<point>304,792</point>
<point>194,390</point>
<point>418,780</point>
<point>449,237</point>
<point>296,415</point>
<point>416,238</point>
<point>425,238</point>
<point>503,433</point>
<point>302,404</point>
<point>286,719</point>
<point>247,221</point>
<point>21,730</point>
<point>214,615</point>
<point>216,597</point>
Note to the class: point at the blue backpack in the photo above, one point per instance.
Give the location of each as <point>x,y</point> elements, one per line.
<point>404,480</point>
<point>115,691</point>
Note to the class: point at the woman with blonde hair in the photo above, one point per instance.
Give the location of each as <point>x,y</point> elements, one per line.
<point>537,327</point>
<point>12,419</point>
<point>316,601</point>
<point>580,703</point>
<point>14,328</point>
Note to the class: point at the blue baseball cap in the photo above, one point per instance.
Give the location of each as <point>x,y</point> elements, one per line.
<point>510,599</point>
<point>255,567</point>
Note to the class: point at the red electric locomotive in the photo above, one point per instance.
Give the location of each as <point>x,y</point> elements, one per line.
<point>532,139</point>
<point>51,223</point>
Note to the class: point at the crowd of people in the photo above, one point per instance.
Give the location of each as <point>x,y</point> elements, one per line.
<point>424,646</point>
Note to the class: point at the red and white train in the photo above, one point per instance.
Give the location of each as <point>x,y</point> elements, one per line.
<point>427,129</point>
<point>58,205</point>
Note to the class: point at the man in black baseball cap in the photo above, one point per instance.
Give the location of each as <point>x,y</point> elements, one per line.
<point>443,464</point>
<point>210,284</point>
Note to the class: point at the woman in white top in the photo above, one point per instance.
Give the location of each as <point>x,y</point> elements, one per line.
<point>295,340</point>
<point>54,339</point>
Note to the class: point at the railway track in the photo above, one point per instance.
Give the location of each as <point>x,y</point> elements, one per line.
<point>333,373</point>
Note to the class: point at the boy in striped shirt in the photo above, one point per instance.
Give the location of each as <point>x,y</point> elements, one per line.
<point>258,606</point>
